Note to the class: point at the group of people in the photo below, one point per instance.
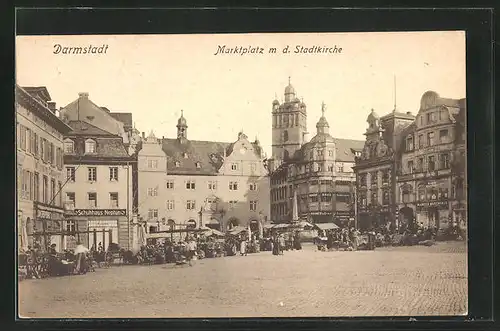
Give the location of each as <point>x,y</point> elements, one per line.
<point>285,241</point>
<point>169,252</point>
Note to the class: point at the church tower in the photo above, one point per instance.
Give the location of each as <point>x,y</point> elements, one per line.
<point>289,125</point>
<point>182,128</point>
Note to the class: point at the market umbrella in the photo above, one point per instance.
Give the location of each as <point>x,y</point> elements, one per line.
<point>81,249</point>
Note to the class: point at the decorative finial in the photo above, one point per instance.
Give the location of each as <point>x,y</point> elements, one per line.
<point>289,80</point>
<point>323,108</point>
<point>182,113</point>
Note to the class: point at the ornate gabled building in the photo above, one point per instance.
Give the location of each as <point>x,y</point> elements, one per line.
<point>311,180</point>
<point>185,182</point>
<point>431,186</point>
<point>376,169</point>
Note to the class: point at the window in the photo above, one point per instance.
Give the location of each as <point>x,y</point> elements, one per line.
<point>92,200</point>
<point>362,179</point>
<point>443,193</point>
<point>252,186</point>
<point>113,199</point>
<point>70,199</point>
<point>421,193</point>
<point>326,198</point>
<point>410,167</point>
<point>113,174</point>
<point>406,194</point>
<point>198,165</point>
<point>420,141</point>
<point>330,168</point>
<point>36,187</point>
<point>362,200</point>
<point>70,174</point>
<point>409,143</point>
<point>420,164</point>
<point>152,214</point>
<point>320,152</point>
<point>153,191</point>
<point>340,167</point>
<point>314,198</point>
<point>253,205</point>
<point>234,166</point>
<point>22,140</point>
<point>185,155</point>
<point>374,178</point>
<point>170,204</point>
<point>253,167</point>
<point>177,164</point>
<point>43,150</point>
<point>385,177</point>
<point>374,198</point>
<point>285,135</point>
<point>53,191</point>
<point>190,205</point>
<point>92,174</point>
<point>36,145</point>
<point>330,153</point>
<point>444,161</point>
<point>69,147</point>
<point>233,186</point>
<point>212,185</point>
<point>443,136</point>
<point>232,204</point>
<point>430,138</point>
<point>90,147</point>
<point>59,186</point>
<point>190,185</point>
<point>386,198</point>
<point>152,164</point>
<point>71,226</point>
<point>52,154</point>
<point>431,163</point>
<point>170,184</point>
<point>28,140</point>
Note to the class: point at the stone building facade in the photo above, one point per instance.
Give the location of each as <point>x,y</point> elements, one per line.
<point>98,190</point>
<point>431,186</point>
<point>183,182</point>
<point>311,180</point>
<point>40,171</point>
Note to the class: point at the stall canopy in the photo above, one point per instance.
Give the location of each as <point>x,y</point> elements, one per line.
<point>326,226</point>
<point>212,232</point>
<point>281,226</point>
<point>237,229</point>
<point>303,225</point>
<point>268,226</point>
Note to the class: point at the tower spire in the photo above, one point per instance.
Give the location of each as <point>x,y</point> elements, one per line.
<point>323,108</point>
<point>289,80</point>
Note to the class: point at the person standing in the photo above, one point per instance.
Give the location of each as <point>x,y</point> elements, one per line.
<point>190,250</point>
<point>243,247</point>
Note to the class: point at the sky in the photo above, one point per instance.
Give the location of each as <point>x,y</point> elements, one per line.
<point>156,76</point>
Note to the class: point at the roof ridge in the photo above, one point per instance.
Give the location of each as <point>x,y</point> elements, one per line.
<point>95,127</point>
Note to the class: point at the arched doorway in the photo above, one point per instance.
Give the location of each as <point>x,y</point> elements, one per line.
<point>232,223</point>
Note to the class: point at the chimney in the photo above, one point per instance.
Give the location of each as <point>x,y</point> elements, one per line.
<point>144,135</point>
<point>83,95</point>
<point>52,106</point>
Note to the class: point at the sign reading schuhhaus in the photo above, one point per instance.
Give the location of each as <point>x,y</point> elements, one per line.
<point>99,212</point>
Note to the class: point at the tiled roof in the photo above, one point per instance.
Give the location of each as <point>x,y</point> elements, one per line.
<point>82,128</point>
<point>125,118</point>
<point>343,149</point>
<point>208,153</point>
<point>38,91</point>
<point>106,147</point>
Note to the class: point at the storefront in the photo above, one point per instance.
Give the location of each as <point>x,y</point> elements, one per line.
<point>433,214</point>
<point>101,226</point>
<point>48,226</point>
<point>344,218</point>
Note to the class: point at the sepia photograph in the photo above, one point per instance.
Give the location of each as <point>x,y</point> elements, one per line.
<point>241,175</point>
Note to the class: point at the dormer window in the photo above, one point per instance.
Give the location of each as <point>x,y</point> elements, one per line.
<point>177,164</point>
<point>198,165</point>
<point>185,155</point>
<point>69,146</point>
<point>90,146</point>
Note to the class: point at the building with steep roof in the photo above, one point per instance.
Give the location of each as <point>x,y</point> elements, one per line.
<point>40,171</point>
<point>185,182</point>
<point>98,190</point>
<point>315,177</point>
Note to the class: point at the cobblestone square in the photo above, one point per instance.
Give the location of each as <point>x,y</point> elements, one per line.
<point>393,281</point>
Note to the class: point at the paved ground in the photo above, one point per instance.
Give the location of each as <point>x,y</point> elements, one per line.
<point>411,281</point>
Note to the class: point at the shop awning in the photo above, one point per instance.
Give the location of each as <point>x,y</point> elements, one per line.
<point>281,226</point>
<point>237,229</point>
<point>302,224</point>
<point>326,226</point>
<point>268,226</point>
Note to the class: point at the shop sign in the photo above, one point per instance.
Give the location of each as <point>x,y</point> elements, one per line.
<point>48,215</point>
<point>433,204</point>
<point>320,213</point>
<point>343,213</point>
<point>99,212</point>
<point>102,224</point>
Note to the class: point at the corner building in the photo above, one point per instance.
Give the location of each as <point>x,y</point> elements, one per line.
<point>184,182</point>
<point>310,180</point>
<point>40,173</point>
<point>431,186</point>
